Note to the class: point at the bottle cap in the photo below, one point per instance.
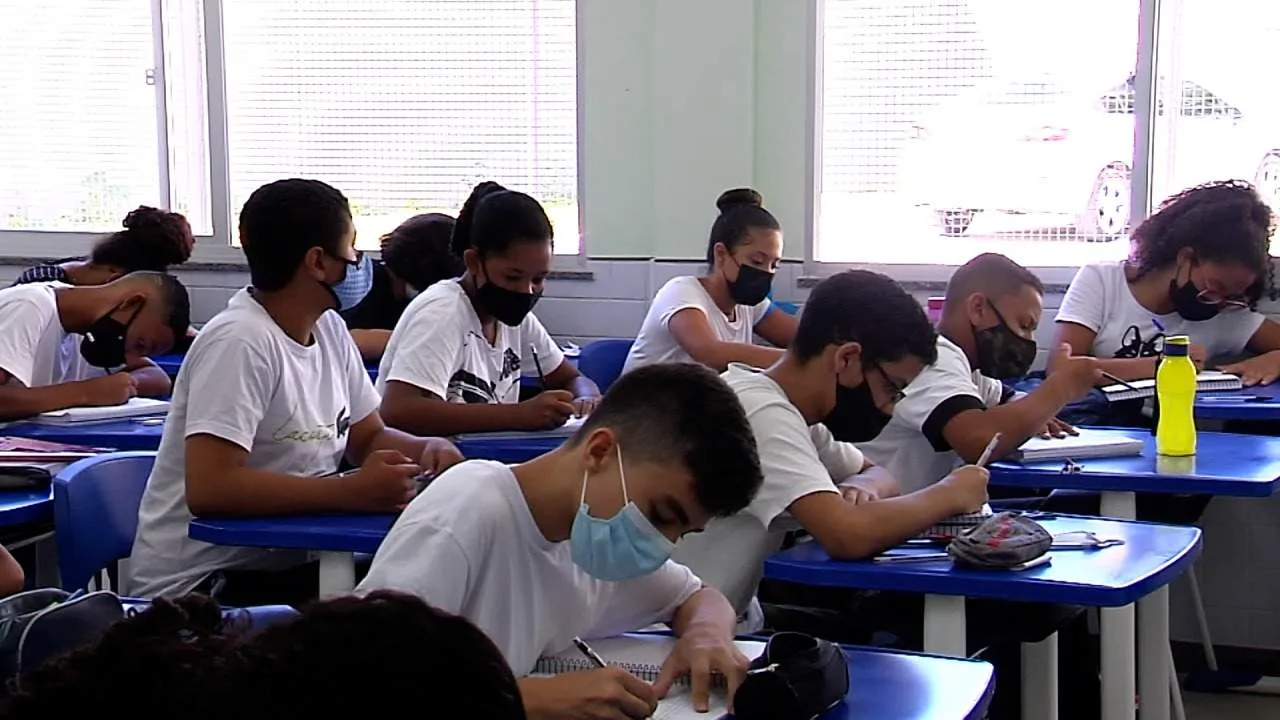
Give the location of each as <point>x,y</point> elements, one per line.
<point>1177,346</point>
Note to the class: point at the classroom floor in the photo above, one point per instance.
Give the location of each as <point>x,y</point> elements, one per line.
<point>1236,706</point>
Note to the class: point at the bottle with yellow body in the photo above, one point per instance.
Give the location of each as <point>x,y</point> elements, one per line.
<point>1176,395</point>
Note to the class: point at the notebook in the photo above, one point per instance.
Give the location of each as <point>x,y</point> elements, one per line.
<point>564,431</point>
<point>956,525</point>
<point>642,656</point>
<point>27,450</point>
<point>1088,444</point>
<point>1207,381</point>
<point>136,407</point>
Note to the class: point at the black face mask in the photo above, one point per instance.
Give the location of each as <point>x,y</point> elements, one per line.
<point>506,306</point>
<point>1186,301</point>
<point>103,344</point>
<point>1003,353</point>
<point>752,285</point>
<point>855,418</point>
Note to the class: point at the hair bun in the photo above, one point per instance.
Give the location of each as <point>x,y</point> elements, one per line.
<point>730,199</point>
<point>144,215</point>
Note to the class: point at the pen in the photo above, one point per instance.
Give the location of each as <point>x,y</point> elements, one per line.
<point>537,365</point>
<point>1159,325</point>
<point>591,655</point>
<point>917,557</point>
<point>1118,381</point>
<point>986,454</point>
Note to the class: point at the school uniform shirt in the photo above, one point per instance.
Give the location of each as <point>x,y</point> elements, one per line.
<point>911,447</point>
<point>380,309</point>
<point>656,344</point>
<point>469,545</point>
<point>1099,298</point>
<point>34,348</point>
<point>797,458</point>
<point>245,381</point>
<point>48,272</point>
<point>439,346</point>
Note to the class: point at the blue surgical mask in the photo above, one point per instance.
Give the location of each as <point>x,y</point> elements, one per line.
<point>348,292</point>
<point>622,547</point>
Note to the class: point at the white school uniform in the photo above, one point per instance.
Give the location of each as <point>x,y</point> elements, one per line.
<point>35,349</point>
<point>656,344</point>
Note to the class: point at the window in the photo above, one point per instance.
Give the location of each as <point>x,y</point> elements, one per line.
<point>405,105</point>
<point>955,127</point>
<point>78,115</point>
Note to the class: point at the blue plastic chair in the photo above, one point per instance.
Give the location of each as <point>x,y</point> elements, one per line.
<point>602,361</point>
<point>95,513</point>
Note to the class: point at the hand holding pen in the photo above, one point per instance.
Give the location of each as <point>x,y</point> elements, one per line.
<point>547,410</point>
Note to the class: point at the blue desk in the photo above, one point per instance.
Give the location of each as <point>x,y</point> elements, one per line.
<point>1111,578</point>
<point>336,537</point>
<point>131,434</point>
<point>1239,406</point>
<point>23,507</point>
<point>512,447</point>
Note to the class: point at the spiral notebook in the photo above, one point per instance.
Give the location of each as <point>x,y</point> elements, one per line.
<point>136,407</point>
<point>1207,381</point>
<point>1088,444</point>
<point>642,656</point>
<point>956,525</point>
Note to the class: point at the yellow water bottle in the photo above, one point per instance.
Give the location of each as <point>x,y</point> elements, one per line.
<point>1176,395</point>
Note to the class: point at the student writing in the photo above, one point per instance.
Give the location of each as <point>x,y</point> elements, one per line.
<point>712,319</point>
<point>63,346</point>
<point>454,361</point>
<point>272,395</point>
<point>576,542</point>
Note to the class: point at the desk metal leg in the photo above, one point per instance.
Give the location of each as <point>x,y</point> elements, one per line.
<point>1122,505</point>
<point>337,574</point>
<point>1118,663</point>
<point>1153,663</point>
<point>944,625</point>
<point>1040,679</point>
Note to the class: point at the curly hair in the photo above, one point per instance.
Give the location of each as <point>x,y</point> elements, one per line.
<point>348,657</point>
<point>152,239</point>
<point>418,251</point>
<point>1222,221</point>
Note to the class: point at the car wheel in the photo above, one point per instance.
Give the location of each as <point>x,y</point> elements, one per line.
<point>1267,180</point>
<point>954,223</point>
<point>1107,216</point>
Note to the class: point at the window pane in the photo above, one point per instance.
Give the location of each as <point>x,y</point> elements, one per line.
<point>1228,124</point>
<point>405,104</point>
<point>955,127</point>
<point>77,115</point>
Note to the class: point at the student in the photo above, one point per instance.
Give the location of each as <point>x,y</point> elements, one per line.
<point>576,542</point>
<point>152,239</point>
<point>454,361</point>
<point>348,657</point>
<point>1198,267</point>
<point>711,319</point>
<point>272,396</point>
<point>415,256</point>
<point>60,346</point>
<point>812,481</point>
<point>957,405</point>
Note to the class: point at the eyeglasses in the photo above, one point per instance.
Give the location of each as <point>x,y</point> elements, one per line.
<point>896,391</point>
<point>1209,297</point>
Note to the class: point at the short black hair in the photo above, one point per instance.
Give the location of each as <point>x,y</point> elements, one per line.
<point>175,301</point>
<point>346,657</point>
<point>1222,221</point>
<point>684,413</point>
<point>990,274</point>
<point>418,252</point>
<point>493,217</point>
<point>282,220</point>
<point>867,308</point>
<point>741,210</point>
<point>152,239</point>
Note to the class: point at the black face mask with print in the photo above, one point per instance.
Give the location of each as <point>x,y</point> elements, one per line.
<point>1003,353</point>
<point>855,417</point>
<point>103,344</point>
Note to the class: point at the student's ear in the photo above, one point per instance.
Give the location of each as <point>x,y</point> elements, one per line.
<point>848,355</point>
<point>471,259</point>
<point>978,308</point>
<point>600,449</point>
<point>313,264</point>
<point>719,253</point>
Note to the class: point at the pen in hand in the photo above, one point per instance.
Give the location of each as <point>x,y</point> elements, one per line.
<point>985,457</point>
<point>591,654</point>
<point>1118,381</point>
<point>537,365</point>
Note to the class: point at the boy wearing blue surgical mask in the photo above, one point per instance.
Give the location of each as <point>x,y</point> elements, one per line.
<point>576,542</point>
<point>272,396</point>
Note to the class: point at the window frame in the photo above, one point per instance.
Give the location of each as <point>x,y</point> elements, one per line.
<point>215,251</point>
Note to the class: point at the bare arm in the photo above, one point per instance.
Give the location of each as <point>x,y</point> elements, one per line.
<point>777,327</point>
<point>969,432</point>
<point>151,381</point>
<point>567,377</point>
<point>218,482</point>
<point>1267,338</point>
<point>371,343</point>
<point>875,479</point>
<point>706,609</point>
<point>11,577</point>
<point>18,402</point>
<point>1080,338</point>
<point>420,412</point>
<point>854,532</point>
<point>692,331</point>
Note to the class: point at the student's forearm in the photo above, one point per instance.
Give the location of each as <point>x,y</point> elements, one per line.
<point>583,386</point>
<point>1127,368</point>
<point>1016,421</point>
<point>707,610</point>
<point>875,479</point>
<point>720,355</point>
<point>17,402</point>
<point>152,382</point>
<point>434,417</point>
<point>411,446</point>
<point>246,491</point>
<point>371,343</point>
<point>871,528</point>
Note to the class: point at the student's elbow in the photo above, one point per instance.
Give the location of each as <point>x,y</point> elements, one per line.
<point>203,496</point>
<point>711,353</point>
<point>849,545</point>
<point>12,580</point>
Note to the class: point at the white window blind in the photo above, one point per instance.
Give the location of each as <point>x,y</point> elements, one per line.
<point>955,127</point>
<point>404,105</point>
<point>77,115</point>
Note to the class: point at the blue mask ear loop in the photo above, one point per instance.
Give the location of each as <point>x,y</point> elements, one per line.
<point>582,500</point>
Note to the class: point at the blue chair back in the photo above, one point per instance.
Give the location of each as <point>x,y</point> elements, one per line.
<point>602,361</point>
<point>95,512</point>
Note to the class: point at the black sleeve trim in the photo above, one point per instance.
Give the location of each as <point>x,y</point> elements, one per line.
<point>1007,394</point>
<point>942,414</point>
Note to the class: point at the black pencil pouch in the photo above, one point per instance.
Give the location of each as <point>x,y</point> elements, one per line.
<point>798,677</point>
<point>17,477</point>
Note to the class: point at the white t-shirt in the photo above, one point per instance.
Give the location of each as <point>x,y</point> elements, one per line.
<point>34,348</point>
<point>911,447</point>
<point>1099,299</point>
<point>656,344</point>
<point>798,459</point>
<point>439,346</point>
<point>469,545</point>
<point>247,382</point>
